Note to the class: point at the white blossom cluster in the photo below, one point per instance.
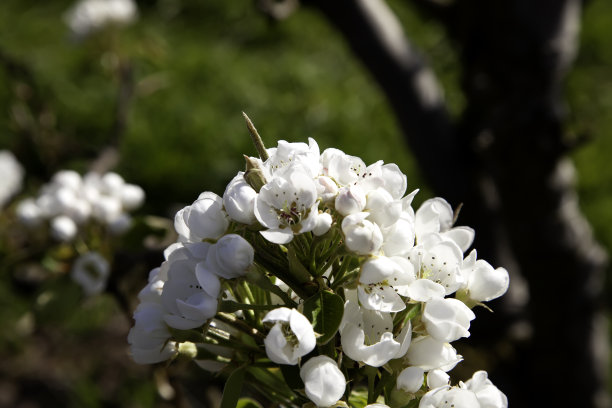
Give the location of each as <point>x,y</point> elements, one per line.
<point>318,225</point>
<point>87,16</point>
<point>70,201</point>
<point>12,176</point>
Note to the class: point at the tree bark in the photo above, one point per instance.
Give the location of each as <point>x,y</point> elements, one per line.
<point>505,159</point>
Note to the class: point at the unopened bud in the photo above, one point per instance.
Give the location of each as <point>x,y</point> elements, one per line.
<point>254,173</point>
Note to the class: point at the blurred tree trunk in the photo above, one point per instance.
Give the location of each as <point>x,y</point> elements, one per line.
<point>505,159</point>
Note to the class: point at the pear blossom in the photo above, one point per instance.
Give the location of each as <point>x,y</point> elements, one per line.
<point>381,282</point>
<point>290,337</point>
<point>91,271</point>
<point>447,319</point>
<point>488,395</point>
<point>204,219</point>
<point>149,337</point>
<point>29,213</point>
<point>350,200</point>
<point>63,228</point>
<point>288,154</point>
<point>482,281</point>
<point>12,176</point>
<point>88,16</point>
<point>410,379</point>
<point>239,200</point>
<point>446,397</point>
<point>323,224</point>
<point>437,378</point>
<point>367,335</point>
<point>187,303</point>
<point>230,257</point>
<point>324,382</point>
<point>287,205</point>
<point>361,236</point>
<point>383,208</point>
<point>439,260</point>
<point>429,353</point>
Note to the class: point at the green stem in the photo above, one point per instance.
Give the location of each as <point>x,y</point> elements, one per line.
<point>229,306</point>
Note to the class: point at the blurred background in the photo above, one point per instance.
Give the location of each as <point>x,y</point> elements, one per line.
<point>160,101</point>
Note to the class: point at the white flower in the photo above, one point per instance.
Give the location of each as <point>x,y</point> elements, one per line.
<point>148,338</point>
<point>323,380</point>
<point>187,303</point>
<point>239,200</point>
<point>91,271</point>
<point>447,319</point>
<point>488,395</point>
<point>436,216</point>
<point>290,337</point>
<point>381,282</point>
<point>342,168</point>
<point>410,379</point>
<point>429,353</point>
<point>106,208</point>
<point>29,213</point>
<point>131,196</point>
<point>350,200</point>
<point>446,397</point>
<point>63,228</point>
<point>437,378</point>
<point>361,236</point>
<point>287,205</point>
<point>323,224</point>
<point>367,335</point>
<point>376,406</point>
<point>327,189</point>
<point>204,219</point>
<point>383,208</point>
<point>12,176</point>
<point>483,283</point>
<point>91,15</point>
<point>229,258</point>
<point>439,260</point>
<point>289,154</point>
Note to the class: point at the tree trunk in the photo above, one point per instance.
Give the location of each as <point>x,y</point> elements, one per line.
<point>506,161</point>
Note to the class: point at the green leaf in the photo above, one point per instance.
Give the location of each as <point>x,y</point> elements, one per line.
<point>248,403</point>
<point>324,310</point>
<point>291,374</point>
<point>233,387</point>
<point>296,268</point>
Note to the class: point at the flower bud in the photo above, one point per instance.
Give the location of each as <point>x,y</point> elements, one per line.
<point>437,378</point>
<point>323,380</point>
<point>63,228</point>
<point>255,173</point>
<point>323,224</point>
<point>361,236</point>
<point>350,200</point>
<point>410,379</point>
<point>230,257</point>
<point>239,200</point>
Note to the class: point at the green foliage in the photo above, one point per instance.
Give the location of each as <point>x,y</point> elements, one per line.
<point>324,310</point>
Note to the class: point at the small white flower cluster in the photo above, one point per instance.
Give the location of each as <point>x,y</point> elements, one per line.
<point>88,16</point>
<point>12,176</point>
<point>323,225</point>
<point>70,201</point>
